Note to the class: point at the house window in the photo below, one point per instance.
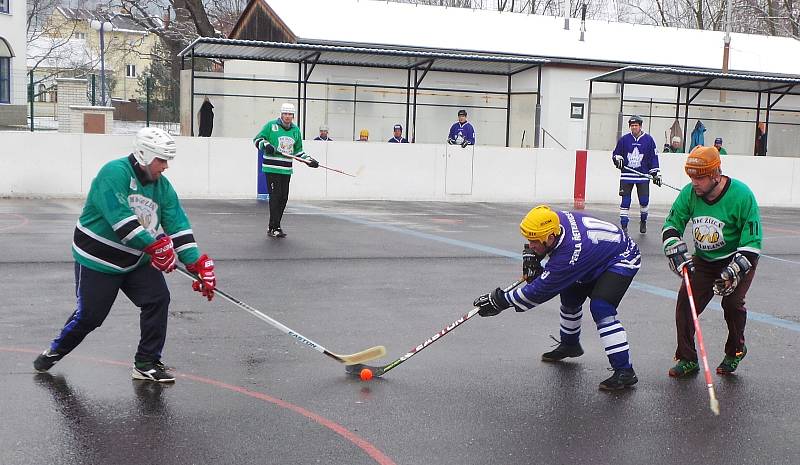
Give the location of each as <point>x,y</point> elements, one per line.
<point>5,80</point>
<point>42,94</point>
<point>78,35</point>
<point>4,6</point>
<point>130,70</point>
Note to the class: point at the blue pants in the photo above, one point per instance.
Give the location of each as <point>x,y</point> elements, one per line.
<point>95,292</point>
<point>605,293</point>
<point>625,191</point>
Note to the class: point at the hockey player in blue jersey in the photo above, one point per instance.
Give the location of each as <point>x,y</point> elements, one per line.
<point>636,150</point>
<point>576,257</point>
<point>461,132</point>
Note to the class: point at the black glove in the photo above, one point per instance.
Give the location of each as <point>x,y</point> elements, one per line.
<point>531,264</point>
<point>451,141</point>
<point>731,275</point>
<point>657,178</point>
<point>492,303</point>
<point>312,162</point>
<point>267,148</point>
<point>678,256</point>
<point>464,144</point>
<point>619,162</point>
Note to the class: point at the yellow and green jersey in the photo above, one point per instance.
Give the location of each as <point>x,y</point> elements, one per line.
<point>121,217</point>
<point>729,224</point>
<point>286,142</point>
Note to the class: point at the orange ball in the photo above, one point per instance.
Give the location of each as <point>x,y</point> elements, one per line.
<point>366,374</point>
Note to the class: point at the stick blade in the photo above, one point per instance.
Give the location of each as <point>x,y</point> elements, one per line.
<point>355,370</point>
<point>364,356</point>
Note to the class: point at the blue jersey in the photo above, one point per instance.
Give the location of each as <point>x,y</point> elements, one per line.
<point>464,131</point>
<point>640,154</point>
<point>586,248</point>
<point>395,140</point>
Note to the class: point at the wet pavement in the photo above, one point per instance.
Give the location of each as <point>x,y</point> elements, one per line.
<point>356,274</point>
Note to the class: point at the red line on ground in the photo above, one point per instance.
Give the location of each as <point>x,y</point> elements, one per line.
<point>22,223</point>
<point>358,441</point>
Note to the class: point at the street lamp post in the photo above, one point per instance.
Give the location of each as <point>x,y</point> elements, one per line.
<point>103,27</point>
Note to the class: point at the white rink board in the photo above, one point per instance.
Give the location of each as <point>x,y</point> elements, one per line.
<point>63,165</point>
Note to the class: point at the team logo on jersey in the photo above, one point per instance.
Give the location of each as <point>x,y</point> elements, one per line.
<point>635,158</point>
<point>274,127</point>
<point>146,211</point>
<point>286,145</point>
<point>707,232</point>
<point>133,184</point>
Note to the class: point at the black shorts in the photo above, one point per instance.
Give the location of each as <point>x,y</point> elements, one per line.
<point>642,188</point>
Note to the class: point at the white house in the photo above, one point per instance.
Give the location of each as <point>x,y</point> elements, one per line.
<point>12,62</point>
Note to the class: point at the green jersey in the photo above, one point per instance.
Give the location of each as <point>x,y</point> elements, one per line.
<point>286,142</point>
<point>729,224</point>
<point>121,217</point>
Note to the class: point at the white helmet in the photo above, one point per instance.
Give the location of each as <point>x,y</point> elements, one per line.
<point>287,108</point>
<point>153,143</point>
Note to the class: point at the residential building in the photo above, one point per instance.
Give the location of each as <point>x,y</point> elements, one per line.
<point>127,47</point>
<point>12,62</point>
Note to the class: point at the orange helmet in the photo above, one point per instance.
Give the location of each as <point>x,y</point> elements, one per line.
<point>702,161</point>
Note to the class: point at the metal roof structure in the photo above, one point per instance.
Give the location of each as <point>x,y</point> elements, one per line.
<point>699,79</point>
<point>693,82</point>
<point>385,57</point>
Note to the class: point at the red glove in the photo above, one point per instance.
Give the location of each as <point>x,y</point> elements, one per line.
<point>162,254</point>
<point>204,269</point>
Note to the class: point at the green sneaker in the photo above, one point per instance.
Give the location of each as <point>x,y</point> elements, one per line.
<point>684,368</point>
<point>729,364</point>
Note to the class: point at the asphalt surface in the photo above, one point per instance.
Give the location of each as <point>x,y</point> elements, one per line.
<point>356,274</point>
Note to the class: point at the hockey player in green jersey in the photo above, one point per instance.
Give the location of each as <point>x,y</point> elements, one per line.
<point>277,139</point>
<point>726,229</point>
<point>117,246</point>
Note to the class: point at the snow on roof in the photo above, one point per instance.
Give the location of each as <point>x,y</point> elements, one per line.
<point>122,22</point>
<point>410,25</point>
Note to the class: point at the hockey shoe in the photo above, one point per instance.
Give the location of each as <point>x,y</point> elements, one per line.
<point>643,227</point>
<point>46,360</point>
<point>684,368</point>
<point>563,351</point>
<point>151,371</point>
<point>621,379</point>
<point>729,363</point>
<point>276,232</point>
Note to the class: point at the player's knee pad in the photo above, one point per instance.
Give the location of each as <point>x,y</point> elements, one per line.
<point>644,201</point>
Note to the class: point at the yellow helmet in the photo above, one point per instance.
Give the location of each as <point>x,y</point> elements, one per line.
<point>539,223</point>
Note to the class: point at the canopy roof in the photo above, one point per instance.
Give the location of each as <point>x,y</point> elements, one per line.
<point>385,57</point>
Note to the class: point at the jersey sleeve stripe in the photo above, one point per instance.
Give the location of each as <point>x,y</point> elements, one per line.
<point>124,221</point>
<point>103,240</point>
<point>185,247</point>
<point>132,234</point>
<point>124,231</point>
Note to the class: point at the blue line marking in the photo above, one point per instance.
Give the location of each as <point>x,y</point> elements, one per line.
<point>640,286</point>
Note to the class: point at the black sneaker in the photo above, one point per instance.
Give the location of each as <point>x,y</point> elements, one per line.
<point>621,379</point>
<point>276,232</point>
<point>151,371</point>
<point>46,360</point>
<point>563,351</point>
<point>729,364</point>
<point>643,227</point>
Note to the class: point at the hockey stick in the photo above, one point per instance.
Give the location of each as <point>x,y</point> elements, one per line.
<point>714,403</point>
<point>321,166</point>
<point>650,177</point>
<point>379,371</point>
<point>364,356</point>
